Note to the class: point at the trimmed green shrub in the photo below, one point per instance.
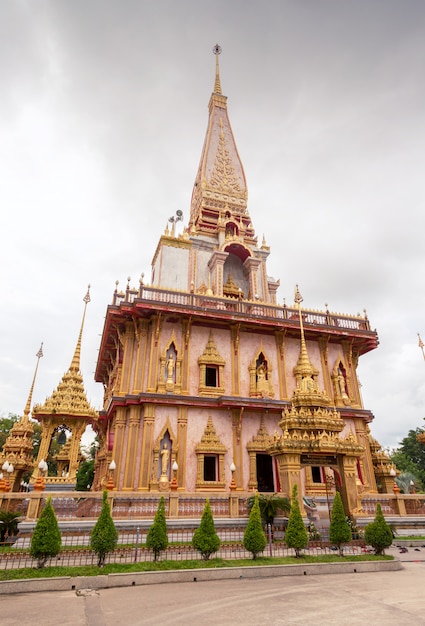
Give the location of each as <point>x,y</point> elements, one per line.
<point>339,529</point>
<point>205,539</point>
<point>46,539</point>
<point>157,539</point>
<point>254,539</point>
<point>104,536</point>
<point>296,535</point>
<point>378,533</point>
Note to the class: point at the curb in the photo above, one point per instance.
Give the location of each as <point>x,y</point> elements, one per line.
<point>132,579</point>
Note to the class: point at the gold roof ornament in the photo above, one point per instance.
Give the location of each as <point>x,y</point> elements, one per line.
<point>18,446</point>
<point>69,398</point>
<point>307,392</point>
<point>220,182</point>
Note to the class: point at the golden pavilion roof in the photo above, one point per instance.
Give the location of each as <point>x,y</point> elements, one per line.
<point>69,398</point>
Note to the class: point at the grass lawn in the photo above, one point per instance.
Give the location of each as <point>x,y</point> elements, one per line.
<point>151,566</point>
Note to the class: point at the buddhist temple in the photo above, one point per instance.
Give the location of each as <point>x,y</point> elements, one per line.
<point>210,383</point>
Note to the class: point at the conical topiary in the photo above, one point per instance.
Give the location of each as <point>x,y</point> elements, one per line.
<point>205,539</point>
<point>46,539</point>
<point>296,535</point>
<point>339,529</point>
<point>104,535</point>
<point>378,533</point>
<point>157,539</point>
<point>254,539</point>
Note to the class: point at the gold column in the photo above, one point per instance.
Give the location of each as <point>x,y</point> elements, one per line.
<point>281,369</point>
<point>77,433</point>
<point>147,446</point>
<point>48,426</point>
<point>237,417</point>
<point>289,466</point>
<point>142,327</point>
<point>186,328</point>
<point>234,332</point>
<point>127,340</point>
<point>363,440</point>
<point>347,466</point>
<point>154,354</point>
<point>182,447</point>
<point>118,452</point>
<point>323,346</point>
<point>252,483</point>
<point>131,448</point>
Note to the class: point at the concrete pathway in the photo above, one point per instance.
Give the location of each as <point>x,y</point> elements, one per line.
<point>379,598</point>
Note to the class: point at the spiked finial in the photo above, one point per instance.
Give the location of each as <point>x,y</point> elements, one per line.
<point>28,404</point>
<point>217,84</point>
<point>75,363</point>
<point>421,345</point>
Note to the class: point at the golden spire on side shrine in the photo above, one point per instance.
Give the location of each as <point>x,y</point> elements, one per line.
<point>18,447</point>
<point>421,345</point>
<point>70,397</point>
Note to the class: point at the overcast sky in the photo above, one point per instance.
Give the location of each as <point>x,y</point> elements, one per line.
<point>103,115</point>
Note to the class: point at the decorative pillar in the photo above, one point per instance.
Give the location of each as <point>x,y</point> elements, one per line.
<point>131,449</point>
<point>154,354</point>
<point>147,446</point>
<point>216,267</point>
<point>182,447</point>
<point>251,266</point>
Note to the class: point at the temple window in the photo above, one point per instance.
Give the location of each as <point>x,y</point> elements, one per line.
<point>211,376</point>
<point>211,370</point>
<point>210,467</point>
<point>210,453</point>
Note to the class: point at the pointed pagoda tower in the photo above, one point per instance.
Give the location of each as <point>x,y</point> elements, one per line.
<point>200,365</point>
<point>18,447</point>
<point>65,413</point>
<point>316,436</point>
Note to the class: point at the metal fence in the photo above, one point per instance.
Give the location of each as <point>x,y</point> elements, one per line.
<point>131,548</point>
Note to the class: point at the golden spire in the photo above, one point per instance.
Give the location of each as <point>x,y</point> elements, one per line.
<point>70,397</point>
<point>28,404</point>
<point>75,363</point>
<point>303,364</point>
<point>421,345</point>
<point>307,392</point>
<point>217,84</point>
<point>220,181</point>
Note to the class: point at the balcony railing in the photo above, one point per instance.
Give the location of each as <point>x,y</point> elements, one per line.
<point>238,306</point>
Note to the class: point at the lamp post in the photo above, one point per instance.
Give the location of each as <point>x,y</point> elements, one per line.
<point>5,484</point>
<point>393,473</point>
<point>174,483</point>
<point>10,471</point>
<point>39,483</point>
<point>232,483</point>
<point>110,484</point>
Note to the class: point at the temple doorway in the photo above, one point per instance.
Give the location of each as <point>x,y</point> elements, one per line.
<point>265,479</point>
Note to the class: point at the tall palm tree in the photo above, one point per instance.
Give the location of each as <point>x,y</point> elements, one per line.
<point>8,524</point>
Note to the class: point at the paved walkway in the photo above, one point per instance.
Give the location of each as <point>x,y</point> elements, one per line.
<point>382,598</point>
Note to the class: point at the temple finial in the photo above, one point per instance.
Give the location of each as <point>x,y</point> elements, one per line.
<point>303,358</point>
<point>421,345</point>
<point>28,404</point>
<point>217,84</point>
<point>75,363</point>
